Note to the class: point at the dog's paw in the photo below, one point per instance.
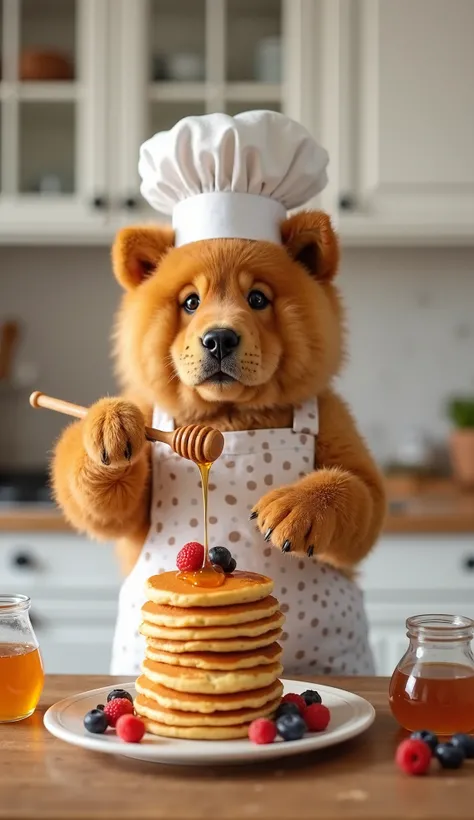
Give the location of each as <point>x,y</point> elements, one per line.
<point>114,433</point>
<point>297,518</point>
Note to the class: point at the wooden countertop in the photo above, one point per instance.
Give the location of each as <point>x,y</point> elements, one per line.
<point>431,507</point>
<point>43,778</point>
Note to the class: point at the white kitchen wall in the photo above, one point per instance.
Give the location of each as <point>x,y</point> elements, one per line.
<point>411,323</point>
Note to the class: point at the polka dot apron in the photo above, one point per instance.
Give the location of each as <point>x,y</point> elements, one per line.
<point>325,630</point>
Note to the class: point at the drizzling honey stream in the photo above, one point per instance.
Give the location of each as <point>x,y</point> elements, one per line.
<point>208,576</point>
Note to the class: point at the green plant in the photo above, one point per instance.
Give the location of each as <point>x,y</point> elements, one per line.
<point>461,412</point>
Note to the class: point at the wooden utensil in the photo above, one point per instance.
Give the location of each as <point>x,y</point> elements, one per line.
<point>195,442</point>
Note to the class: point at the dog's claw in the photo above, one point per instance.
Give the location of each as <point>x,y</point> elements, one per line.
<point>253,515</point>
<point>104,457</point>
<point>268,534</point>
<point>310,551</point>
<point>286,546</point>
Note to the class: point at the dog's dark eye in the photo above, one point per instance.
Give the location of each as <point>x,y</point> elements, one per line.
<point>257,300</point>
<point>191,303</point>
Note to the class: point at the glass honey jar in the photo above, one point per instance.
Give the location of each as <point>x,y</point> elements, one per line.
<point>433,685</point>
<point>21,669</point>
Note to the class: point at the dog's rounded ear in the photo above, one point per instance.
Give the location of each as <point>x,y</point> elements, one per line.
<point>310,240</point>
<point>137,251</point>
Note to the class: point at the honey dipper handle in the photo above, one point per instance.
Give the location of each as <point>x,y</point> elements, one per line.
<point>38,399</point>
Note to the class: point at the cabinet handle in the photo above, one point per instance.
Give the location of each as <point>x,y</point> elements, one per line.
<point>130,203</point>
<point>346,202</point>
<point>469,563</point>
<point>24,561</point>
<point>99,203</point>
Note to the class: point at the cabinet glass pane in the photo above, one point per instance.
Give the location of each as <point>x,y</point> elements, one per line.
<point>234,108</point>
<point>254,40</point>
<point>47,147</point>
<point>47,40</point>
<point>177,40</point>
<point>164,115</point>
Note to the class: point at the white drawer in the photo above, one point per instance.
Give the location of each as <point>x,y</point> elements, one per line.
<point>421,564</point>
<point>75,636</point>
<point>30,563</point>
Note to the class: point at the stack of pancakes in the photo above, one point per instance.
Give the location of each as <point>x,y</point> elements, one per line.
<point>212,661</point>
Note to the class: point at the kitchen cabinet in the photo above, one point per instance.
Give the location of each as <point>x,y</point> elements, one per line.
<point>138,66</point>
<point>53,111</point>
<point>412,575</point>
<point>383,85</point>
<point>73,585</point>
<point>401,128</point>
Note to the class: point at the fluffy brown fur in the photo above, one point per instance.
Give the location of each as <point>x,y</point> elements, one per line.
<point>289,352</point>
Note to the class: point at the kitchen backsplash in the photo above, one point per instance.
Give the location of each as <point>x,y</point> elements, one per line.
<point>411,343</point>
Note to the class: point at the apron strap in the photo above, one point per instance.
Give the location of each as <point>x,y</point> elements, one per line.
<point>306,417</point>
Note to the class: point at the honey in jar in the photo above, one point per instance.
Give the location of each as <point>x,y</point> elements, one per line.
<point>21,669</point>
<point>433,685</point>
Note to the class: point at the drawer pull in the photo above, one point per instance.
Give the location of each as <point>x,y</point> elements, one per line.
<point>23,561</point>
<point>469,563</point>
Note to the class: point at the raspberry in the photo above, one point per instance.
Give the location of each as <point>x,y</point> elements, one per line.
<point>413,756</point>
<point>190,557</point>
<point>130,728</point>
<point>316,717</point>
<point>297,699</point>
<point>262,730</point>
<point>114,709</point>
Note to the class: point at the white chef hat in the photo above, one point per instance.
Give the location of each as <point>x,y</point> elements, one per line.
<point>231,177</point>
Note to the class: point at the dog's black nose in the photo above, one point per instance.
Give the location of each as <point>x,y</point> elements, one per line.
<point>220,341</point>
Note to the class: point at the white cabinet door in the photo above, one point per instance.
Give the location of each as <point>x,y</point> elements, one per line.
<point>177,58</point>
<point>403,130</point>
<point>53,111</point>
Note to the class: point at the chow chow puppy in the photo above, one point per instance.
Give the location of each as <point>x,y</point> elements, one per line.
<point>233,333</point>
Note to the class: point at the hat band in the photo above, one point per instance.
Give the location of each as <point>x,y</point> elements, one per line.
<point>227,215</point>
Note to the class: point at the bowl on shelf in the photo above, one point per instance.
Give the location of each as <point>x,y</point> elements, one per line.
<point>185,67</point>
<point>45,66</point>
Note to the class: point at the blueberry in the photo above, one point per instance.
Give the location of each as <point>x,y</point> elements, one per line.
<point>119,693</point>
<point>231,567</point>
<point>290,726</point>
<point>449,756</point>
<point>221,556</point>
<point>311,696</point>
<point>96,722</point>
<point>286,709</point>
<point>466,742</point>
<point>427,737</point>
<point>100,706</point>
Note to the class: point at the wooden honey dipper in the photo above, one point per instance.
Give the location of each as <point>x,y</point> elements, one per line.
<point>195,442</point>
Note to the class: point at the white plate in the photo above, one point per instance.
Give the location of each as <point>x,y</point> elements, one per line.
<point>350,715</point>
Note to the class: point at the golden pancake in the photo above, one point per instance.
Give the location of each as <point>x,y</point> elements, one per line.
<point>203,633</point>
<point>217,660</point>
<point>174,616</point>
<point>148,708</point>
<point>238,588</point>
<point>197,732</point>
<point>207,703</point>
<point>226,645</point>
<point>210,681</point>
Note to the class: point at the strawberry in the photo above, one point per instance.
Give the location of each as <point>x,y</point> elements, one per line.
<point>191,557</point>
<point>114,709</point>
<point>130,728</point>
